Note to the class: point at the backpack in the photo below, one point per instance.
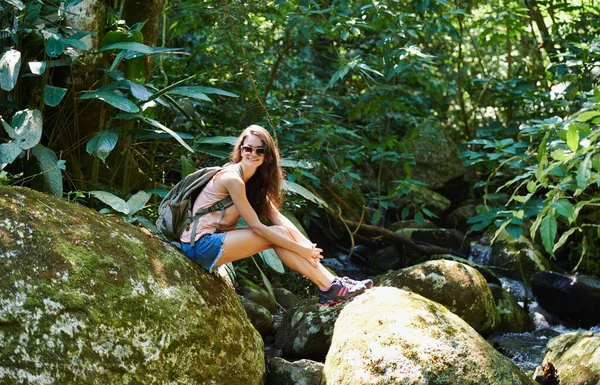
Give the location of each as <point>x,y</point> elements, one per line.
<point>175,210</point>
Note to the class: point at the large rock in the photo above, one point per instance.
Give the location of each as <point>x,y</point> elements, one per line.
<point>449,239</point>
<point>391,336</point>
<point>459,287</point>
<point>516,258</point>
<point>436,156</point>
<point>259,317</point>
<point>89,299</point>
<point>301,372</point>
<point>306,331</point>
<point>576,356</point>
<point>513,318</point>
<point>572,298</point>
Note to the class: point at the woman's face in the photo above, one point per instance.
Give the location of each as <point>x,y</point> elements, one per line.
<point>253,151</point>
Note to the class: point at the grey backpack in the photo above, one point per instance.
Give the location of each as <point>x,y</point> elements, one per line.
<point>175,210</point>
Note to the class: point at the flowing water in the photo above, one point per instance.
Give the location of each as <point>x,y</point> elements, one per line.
<point>526,350</point>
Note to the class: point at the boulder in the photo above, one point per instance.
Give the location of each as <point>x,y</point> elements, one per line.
<point>576,356</point>
<point>488,274</point>
<point>301,372</point>
<point>285,298</point>
<point>306,331</point>
<point>449,239</point>
<point>435,202</point>
<point>436,156</point>
<point>459,287</point>
<point>89,299</point>
<point>458,217</point>
<point>516,258</point>
<point>259,317</point>
<point>572,298</point>
<point>513,318</point>
<point>391,336</point>
<point>255,293</point>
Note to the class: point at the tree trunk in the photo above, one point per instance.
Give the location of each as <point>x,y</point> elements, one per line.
<point>89,15</point>
<point>536,16</point>
<point>148,11</point>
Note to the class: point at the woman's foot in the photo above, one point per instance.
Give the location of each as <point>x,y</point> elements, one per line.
<point>343,289</point>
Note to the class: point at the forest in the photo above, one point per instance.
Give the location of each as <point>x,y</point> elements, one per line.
<point>110,102</point>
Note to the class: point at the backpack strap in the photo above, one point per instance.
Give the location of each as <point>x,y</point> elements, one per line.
<point>220,205</point>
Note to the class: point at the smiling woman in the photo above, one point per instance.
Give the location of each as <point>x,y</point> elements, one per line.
<point>252,180</point>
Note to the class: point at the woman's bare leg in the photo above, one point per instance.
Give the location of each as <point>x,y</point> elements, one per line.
<point>242,243</point>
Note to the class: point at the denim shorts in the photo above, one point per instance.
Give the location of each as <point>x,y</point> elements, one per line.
<point>206,251</point>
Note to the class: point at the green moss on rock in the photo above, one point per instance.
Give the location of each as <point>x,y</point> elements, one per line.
<point>391,336</point>
<point>90,299</point>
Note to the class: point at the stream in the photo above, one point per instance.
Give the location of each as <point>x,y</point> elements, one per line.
<point>526,350</point>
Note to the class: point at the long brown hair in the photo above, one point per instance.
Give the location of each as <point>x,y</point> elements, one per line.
<point>265,184</point>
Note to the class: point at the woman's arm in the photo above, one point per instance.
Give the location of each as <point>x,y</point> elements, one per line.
<point>281,220</point>
<point>237,190</point>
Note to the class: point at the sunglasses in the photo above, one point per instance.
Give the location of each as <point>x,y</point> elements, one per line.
<point>247,150</point>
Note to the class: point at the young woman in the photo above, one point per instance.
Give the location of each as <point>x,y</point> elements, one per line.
<point>253,179</point>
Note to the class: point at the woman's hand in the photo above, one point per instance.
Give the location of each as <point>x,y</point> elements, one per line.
<point>312,254</point>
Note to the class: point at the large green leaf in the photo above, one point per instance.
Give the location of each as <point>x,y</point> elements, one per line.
<point>138,201</point>
<point>137,90</point>
<point>17,4</point>
<point>548,232</point>
<point>596,162</point>
<point>218,140</point>
<point>213,151</point>
<point>10,64</point>
<point>190,92</point>
<point>271,259</point>
<point>130,46</point>
<point>564,208</point>
<point>216,91</point>
<point>102,144</point>
<point>28,128</point>
<point>53,95</point>
<point>564,237</point>
<point>37,67</point>
<point>588,115</point>
<point>584,172</point>
<point>8,153</point>
<point>50,178</point>
<point>147,134</point>
<point>79,44</point>
<point>55,45</point>
<point>167,130</point>
<point>111,200</point>
<point>113,99</point>
<point>297,189</point>
<point>572,138</point>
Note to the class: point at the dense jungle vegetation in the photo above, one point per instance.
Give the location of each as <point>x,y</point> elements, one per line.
<point>118,99</point>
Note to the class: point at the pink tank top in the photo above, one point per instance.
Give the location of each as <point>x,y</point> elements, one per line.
<point>207,224</point>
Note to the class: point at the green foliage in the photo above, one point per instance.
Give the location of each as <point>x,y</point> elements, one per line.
<point>127,210</point>
<point>343,87</point>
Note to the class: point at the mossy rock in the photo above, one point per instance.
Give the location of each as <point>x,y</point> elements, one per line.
<point>391,336</point>
<point>459,287</point>
<point>306,331</point>
<point>576,356</point>
<point>89,299</point>
<point>513,318</point>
